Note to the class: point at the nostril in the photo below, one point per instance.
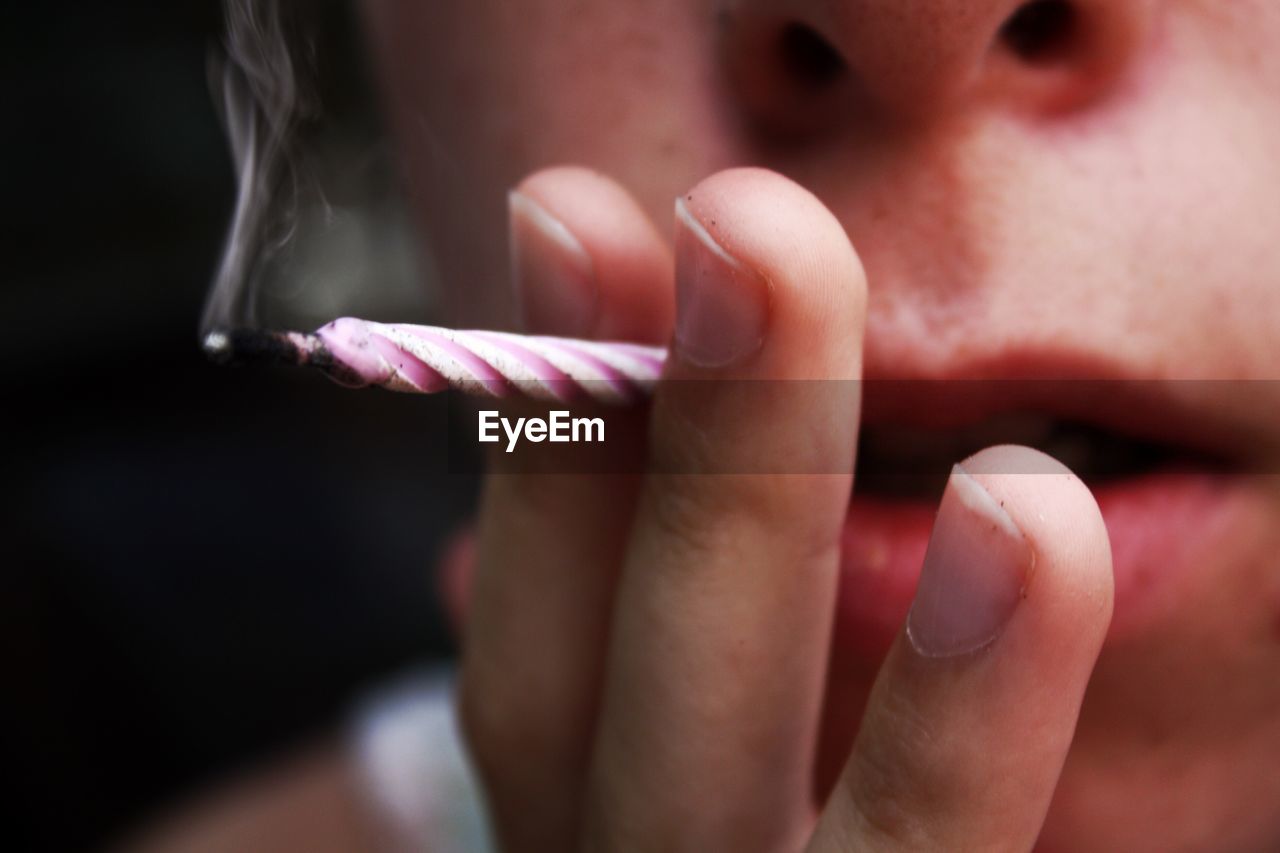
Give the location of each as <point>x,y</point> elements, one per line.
<point>1040,31</point>
<point>807,58</point>
<point>787,81</point>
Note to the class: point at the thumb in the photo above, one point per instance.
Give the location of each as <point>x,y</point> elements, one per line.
<point>972,714</point>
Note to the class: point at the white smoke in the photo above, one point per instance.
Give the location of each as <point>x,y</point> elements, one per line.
<point>262,97</point>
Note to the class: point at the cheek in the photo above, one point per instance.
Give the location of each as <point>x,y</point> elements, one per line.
<point>482,94</point>
<point>1127,232</point>
<point>1166,185</point>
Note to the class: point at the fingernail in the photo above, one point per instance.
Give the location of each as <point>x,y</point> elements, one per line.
<point>553,276</point>
<point>974,572</point>
<point>722,305</point>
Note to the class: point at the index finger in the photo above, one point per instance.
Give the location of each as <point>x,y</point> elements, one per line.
<point>724,610</point>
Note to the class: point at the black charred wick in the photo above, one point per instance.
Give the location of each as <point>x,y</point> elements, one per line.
<point>234,347</point>
<point>252,346</point>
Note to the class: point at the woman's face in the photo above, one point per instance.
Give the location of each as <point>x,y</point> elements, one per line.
<point>1073,190</point>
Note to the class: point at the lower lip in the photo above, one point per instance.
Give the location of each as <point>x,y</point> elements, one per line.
<point>1157,523</point>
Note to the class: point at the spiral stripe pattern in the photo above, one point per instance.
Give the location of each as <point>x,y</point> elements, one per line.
<point>427,359</point>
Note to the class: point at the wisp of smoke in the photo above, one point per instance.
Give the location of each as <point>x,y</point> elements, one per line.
<point>262,97</point>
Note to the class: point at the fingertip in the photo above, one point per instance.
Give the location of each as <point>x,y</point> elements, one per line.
<point>782,231</point>
<point>630,292</point>
<point>556,287</point>
<point>1071,582</point>
<point>751,201</point>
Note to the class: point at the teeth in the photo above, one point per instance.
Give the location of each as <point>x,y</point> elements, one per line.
<point>913,461</point>
<point>918,449</point>
<point>1074,450</point>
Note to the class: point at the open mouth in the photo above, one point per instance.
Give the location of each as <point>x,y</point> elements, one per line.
<point>901,462</point>
<point>1168,463</point>
<point>1164,477</point>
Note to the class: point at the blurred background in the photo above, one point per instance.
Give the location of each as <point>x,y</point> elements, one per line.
<point>203,566</point>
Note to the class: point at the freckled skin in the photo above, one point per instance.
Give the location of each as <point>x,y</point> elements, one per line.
<point>1137,225</point>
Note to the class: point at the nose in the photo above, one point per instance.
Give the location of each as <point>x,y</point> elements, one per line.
<point>800,66</point>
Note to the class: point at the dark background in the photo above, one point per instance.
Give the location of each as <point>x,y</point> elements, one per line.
<point>202,565</point>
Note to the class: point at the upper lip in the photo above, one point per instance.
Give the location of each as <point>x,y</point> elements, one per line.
<point>1211,419</point>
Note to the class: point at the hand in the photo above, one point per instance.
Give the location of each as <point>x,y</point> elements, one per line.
<point>645,655</point>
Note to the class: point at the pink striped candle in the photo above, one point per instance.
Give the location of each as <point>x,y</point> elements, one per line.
<point>428,359</point>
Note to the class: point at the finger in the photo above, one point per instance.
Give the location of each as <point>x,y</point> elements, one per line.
<point>724,611</point>
<point>589,262</point>
<point>973,711</point>
<point>453,574</point>
<point>550,539</point>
